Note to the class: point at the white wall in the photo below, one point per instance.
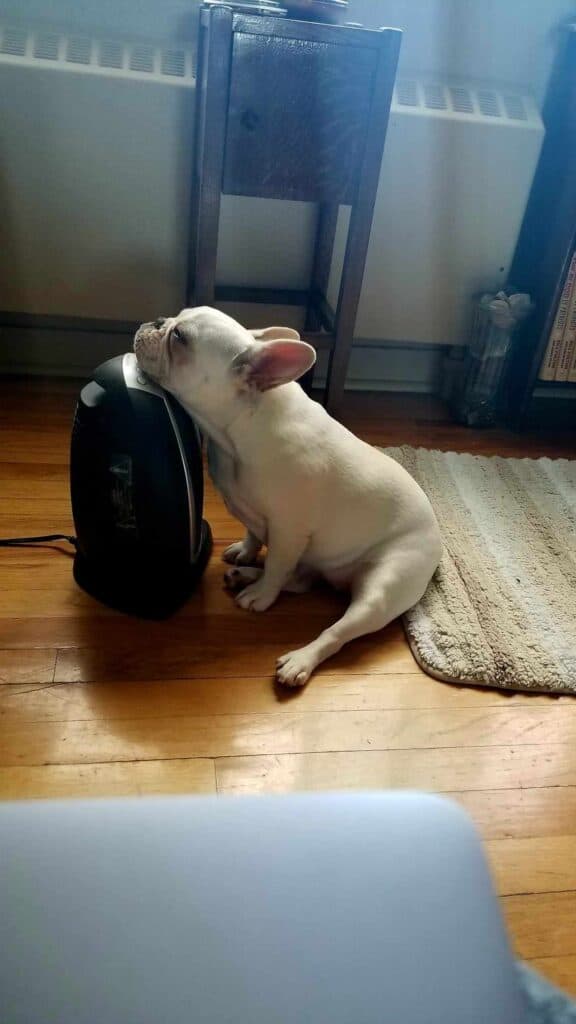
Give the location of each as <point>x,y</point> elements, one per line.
<point>500,40</point>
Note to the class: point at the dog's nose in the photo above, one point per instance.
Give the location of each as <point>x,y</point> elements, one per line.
<point>159,322</point>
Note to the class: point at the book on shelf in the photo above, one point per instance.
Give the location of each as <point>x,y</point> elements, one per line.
<point>568,346</point>
<point>572,367</point>
<point>551,362</point>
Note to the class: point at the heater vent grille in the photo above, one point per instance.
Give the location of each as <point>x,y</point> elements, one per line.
<point>463,101</point>
<point>105,57</point>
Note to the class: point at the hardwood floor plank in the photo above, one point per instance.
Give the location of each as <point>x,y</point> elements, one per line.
<point>445,770</point>
<point>126,739</point>
<point>522,813</point>
<point>176,642</point>
<point>31,522</point>
<point>542,925</point>
<point>204,652</point>
<point>207,657</point>
<point>222,695</point>
<point>32,482</point>
<point>560,970</point>
<point>535,865</point>
<point>42,596</point>
<point>132,778</point>
<point>27,448</point>
<point>26,667</point>
<point>21,510</point>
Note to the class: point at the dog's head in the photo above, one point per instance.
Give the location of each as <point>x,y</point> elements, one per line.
<point>208,361</point>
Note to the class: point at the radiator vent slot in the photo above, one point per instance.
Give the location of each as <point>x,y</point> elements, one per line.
<point>434,97</point>
<point>488,103</point>
<point>174,63</point>
<point>115,58</point>
<point>111,55</point>
<point>78,50</point>
<point>13,42</point>
<point>407,94</point>
<point>514,107</point>
<point>142,59</point>
<point>46,46</point>
<point>463,101</point>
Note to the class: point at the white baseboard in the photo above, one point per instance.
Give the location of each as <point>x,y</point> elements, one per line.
<point>30,351</point>
<point>27,351</point>
<point>390,367</point>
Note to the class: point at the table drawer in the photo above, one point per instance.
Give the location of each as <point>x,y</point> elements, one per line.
<point>297,118</point>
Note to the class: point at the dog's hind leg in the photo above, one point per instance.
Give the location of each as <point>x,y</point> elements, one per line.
<point>380,593</point>
<point>240,576</point>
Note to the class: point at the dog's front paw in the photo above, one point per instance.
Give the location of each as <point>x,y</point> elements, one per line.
<point>238,554</point>
<point>256,598</point>
<point>295,668</point>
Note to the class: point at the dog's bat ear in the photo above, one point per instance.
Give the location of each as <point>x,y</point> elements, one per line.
<point>274,333</point>
<point>274,363</point>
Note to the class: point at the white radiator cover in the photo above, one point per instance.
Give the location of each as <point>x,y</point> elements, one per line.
<point>94,193</point>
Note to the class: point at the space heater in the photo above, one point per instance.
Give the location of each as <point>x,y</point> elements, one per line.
<point>137,491</point>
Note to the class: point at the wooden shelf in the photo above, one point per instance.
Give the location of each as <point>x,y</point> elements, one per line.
<point>565,385</point>
<point>548,235</point>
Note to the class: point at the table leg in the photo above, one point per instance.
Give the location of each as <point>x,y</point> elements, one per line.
<point>325,232</point>
<point>213,85</point>
<point>361,219</point>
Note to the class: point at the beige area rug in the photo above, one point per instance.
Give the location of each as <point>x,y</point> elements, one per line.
<point>501,609</point>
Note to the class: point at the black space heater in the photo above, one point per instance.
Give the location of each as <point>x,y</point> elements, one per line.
<point>137,491</point>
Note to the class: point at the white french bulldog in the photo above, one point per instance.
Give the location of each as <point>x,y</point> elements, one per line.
<point>322,501</point>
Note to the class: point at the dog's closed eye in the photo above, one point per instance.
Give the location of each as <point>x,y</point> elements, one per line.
<point>178,347</point>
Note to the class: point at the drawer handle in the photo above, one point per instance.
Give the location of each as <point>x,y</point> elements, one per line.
<point>249,120</point>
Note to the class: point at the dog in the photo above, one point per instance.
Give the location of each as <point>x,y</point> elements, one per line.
<point>324,503</point>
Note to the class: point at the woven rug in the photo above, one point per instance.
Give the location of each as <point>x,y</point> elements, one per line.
<point>501,609</point>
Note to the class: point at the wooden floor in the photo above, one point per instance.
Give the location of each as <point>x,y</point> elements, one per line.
<point>95,703</point>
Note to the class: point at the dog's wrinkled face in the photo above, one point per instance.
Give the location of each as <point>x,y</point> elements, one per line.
<point>208,360</point>
<point>180,352</point>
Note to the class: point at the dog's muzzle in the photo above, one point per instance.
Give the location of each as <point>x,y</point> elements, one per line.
<point>148,346</point>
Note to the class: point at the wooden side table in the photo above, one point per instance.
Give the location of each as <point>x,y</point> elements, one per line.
<point>291,110</point>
